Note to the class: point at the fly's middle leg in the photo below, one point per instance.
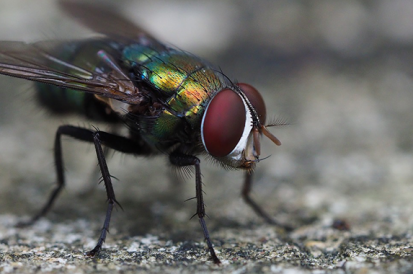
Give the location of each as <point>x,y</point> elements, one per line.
<point>179,159</point>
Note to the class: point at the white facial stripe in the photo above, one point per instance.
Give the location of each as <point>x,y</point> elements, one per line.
<point>202,128</point>
<point>236,153</point>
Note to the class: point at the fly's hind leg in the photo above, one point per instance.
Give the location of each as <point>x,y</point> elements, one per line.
<point>58,159</point>
<point>245,193</point>
<point>99,138</point>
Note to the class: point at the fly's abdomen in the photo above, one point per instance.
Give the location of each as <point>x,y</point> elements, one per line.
<point>77,55</point>
<point>61,100</point>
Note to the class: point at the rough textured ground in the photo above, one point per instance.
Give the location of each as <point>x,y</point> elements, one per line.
<point>339,71</point>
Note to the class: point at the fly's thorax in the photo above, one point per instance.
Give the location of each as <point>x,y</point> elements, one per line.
<point>181,82</point>
<point>232,125</point>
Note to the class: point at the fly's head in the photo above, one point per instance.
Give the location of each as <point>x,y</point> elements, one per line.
<point>233,124</point>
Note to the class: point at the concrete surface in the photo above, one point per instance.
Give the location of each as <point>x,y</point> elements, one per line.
<point>339,71</point>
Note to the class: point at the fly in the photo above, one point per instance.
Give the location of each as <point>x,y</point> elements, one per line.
<point>173,103</point>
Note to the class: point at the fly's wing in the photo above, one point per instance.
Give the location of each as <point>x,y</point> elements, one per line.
<point>104,20</point>
<point>36,62</point>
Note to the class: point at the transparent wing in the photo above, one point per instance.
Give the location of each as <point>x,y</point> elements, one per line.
<point>36,62</point>
<point>103,19</point>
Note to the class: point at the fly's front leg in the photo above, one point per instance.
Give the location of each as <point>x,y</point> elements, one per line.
<point>179,159</point>
<point>245,193</point>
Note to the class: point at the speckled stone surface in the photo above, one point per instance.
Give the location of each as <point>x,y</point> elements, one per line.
<point>339,71</point>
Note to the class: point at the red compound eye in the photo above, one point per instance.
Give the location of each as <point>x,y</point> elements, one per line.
<point>224,123</point>
<point>256,100</point>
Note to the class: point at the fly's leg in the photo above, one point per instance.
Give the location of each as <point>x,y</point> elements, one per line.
<point>115,142</point>
<point>58,158</point>
<point>109,192</point>
<point>245,193</point>
<point>95,175</point>
<point>179,159</point>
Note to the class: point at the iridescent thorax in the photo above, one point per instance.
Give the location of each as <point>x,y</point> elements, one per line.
<point>182,82</point>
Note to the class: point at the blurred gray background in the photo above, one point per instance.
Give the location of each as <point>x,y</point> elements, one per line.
<point>338,71</point>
